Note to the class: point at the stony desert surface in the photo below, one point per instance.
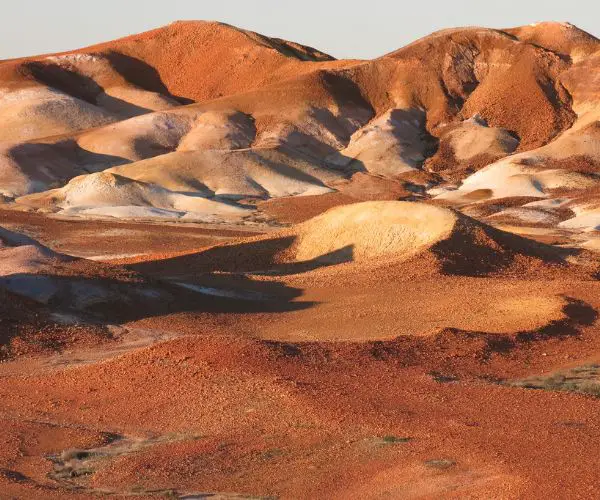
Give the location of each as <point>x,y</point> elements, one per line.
<point>232,266</point>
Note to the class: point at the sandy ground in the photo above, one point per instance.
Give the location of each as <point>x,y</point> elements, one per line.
<point>193,304</point>
<point>113,239</point>
<point>290,386</point>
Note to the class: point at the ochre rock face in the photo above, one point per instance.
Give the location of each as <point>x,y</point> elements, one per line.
<point>206,109</point>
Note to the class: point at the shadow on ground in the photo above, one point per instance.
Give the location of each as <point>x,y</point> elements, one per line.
<point>113,301</point>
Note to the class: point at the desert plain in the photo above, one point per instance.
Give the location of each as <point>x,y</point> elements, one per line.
<point>232,266</point>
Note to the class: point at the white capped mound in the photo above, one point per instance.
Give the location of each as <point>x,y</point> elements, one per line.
<point>538,172</point>
<point>474,137</point>
<point>225,130</point>
<point>529,215</point>
<point>140,137</point>
<point>587,217</point>
<point>239,174</point>
<point>187,129</point>
<point>392,144</point>
<point>373,230</point>
<point>507,178</point>
<point>308,128</point>
<point>35,112</point>
<point>109,194</point>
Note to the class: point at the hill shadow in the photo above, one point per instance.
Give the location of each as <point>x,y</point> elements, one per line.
<point>261,257</point>
<point>65,80</point>
<point>121,301</point>
<point>82,87</point>
<point>142,75</point>
<point>134,71</point>
<point>479,250</point>
<point>284,169</point>
<point>60,161</point>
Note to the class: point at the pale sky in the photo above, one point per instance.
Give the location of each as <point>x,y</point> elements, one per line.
<point>342,28</point>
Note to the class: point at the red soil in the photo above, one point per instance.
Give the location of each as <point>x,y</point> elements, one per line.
<point>348,374</point>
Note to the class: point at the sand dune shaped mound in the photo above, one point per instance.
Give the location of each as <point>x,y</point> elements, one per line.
<point>112,195</point>
<point>33,112</point>
<point>261,173</point>
<point>420,237</point>
<point>372,230</point>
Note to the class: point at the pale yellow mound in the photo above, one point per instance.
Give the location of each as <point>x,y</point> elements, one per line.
<point>372,230</point>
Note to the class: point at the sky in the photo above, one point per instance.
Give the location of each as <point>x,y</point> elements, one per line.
<point>343,28</point>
